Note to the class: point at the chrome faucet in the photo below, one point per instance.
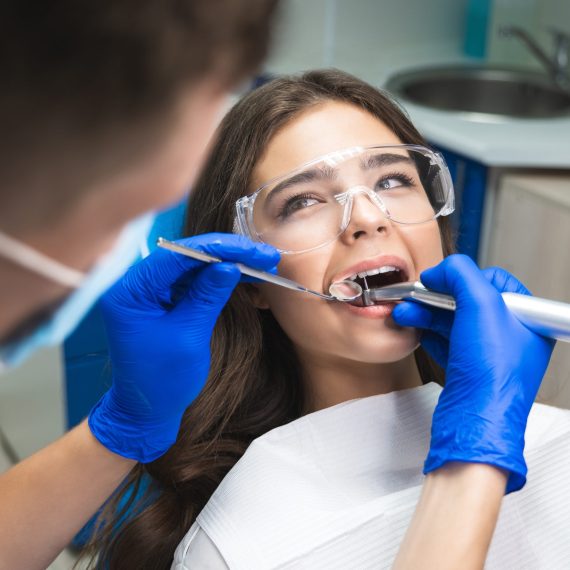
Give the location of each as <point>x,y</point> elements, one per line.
<point>557,64</point>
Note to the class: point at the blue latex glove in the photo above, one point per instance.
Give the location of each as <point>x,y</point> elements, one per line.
<point>159,341</point>
<point>494,366</point>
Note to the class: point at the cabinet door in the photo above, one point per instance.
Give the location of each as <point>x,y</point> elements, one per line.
<point>531,238</point>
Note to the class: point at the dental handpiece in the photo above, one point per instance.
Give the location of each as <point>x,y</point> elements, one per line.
<point>543,316</point>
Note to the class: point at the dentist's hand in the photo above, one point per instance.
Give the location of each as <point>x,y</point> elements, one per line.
<point>494,366</point>
<point>159,340</point>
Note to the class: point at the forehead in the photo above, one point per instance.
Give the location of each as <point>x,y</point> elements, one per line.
<point>325,128</point>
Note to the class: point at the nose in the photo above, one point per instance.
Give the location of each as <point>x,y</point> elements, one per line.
<point>367,216</point>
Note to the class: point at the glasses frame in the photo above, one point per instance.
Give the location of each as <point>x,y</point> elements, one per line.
<point>243,220</point>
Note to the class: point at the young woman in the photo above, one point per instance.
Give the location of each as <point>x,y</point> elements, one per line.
<point>328,170</point>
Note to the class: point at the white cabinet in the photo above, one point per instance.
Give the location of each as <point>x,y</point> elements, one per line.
<point>530,236</point>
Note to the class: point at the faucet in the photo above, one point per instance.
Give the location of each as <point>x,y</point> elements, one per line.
<point>556,65</point>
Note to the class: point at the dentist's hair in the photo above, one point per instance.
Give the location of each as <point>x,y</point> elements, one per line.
<point>255,377</point>
<point>89,87</point>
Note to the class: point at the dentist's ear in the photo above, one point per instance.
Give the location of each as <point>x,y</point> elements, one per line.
<point>256,296</point>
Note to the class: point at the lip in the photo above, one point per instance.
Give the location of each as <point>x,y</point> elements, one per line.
<point>380,311</point>
<point>372,263</point>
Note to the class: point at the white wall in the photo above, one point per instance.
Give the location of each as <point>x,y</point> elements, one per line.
<point>366,36</point>
<point>555,14</point>
<point>535,16</point>
<point>369,37</point>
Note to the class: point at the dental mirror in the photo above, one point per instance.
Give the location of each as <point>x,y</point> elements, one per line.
<point>346,290</point>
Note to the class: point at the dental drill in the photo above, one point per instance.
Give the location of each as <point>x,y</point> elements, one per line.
<point>543,316</point>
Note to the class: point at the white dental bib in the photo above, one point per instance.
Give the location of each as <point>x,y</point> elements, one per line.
<point>337,489</point>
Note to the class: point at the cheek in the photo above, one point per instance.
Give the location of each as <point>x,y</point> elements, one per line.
<point>307,269</point>
<point>423,243</point>
<point>297,314</point>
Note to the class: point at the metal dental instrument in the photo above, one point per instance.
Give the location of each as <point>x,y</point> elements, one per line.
<point>546,317</point>
<point>543,316</point>
<point>408,290</point>
<point>346,290</point>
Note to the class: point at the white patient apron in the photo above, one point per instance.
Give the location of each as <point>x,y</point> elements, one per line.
<point>336,489</point>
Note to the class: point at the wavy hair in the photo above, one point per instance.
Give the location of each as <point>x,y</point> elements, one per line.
<point>255,378</point>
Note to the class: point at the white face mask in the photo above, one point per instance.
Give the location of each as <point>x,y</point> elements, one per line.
<point>130,244</point>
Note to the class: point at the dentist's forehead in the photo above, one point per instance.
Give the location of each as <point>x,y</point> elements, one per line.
<point>318,131</point>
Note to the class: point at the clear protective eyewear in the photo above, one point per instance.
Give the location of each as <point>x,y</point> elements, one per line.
<point>311,206</point>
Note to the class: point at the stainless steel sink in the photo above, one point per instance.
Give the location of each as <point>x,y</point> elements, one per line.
<point>482,91</point>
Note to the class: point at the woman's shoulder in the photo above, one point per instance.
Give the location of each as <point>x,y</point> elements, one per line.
<point>198,551</point>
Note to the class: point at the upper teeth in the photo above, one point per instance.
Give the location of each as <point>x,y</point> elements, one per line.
<point>370,272</point>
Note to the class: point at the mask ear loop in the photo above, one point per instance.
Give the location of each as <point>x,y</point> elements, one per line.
<point>25,256</point>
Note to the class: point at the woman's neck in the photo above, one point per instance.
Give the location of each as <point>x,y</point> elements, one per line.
<point>331,381</point>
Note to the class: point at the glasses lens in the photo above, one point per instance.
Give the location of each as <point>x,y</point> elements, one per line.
<point>304,210</point>
<point>412,185</point>
<point>300,212</point>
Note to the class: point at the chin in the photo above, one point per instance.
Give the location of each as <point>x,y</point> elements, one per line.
<point>385,346</point>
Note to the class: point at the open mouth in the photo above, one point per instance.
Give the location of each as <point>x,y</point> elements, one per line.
<point>377,277</point>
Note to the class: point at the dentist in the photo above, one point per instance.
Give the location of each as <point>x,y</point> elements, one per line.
<point>106,109</point>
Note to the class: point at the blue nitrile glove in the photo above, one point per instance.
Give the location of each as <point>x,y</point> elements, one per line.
<point>494,366</point>
<point>159,341</point>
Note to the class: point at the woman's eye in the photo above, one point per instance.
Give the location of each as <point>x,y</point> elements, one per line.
<point>298,203</point>
<point>389,183</point>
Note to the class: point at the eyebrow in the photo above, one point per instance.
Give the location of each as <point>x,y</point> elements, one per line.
<point>385,159</point>
<point>329,173</point>
<point>323,173</point>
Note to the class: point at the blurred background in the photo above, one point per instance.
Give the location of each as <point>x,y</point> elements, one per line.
<point>485,81</point>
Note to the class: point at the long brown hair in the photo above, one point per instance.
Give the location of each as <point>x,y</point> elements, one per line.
<point>254,383</point>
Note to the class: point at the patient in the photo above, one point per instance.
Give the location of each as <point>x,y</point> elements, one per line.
<point>317,491</point>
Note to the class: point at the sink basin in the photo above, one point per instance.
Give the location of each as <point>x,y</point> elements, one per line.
<point>482,92</point>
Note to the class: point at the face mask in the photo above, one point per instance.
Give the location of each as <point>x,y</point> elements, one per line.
<point>130,244</point>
